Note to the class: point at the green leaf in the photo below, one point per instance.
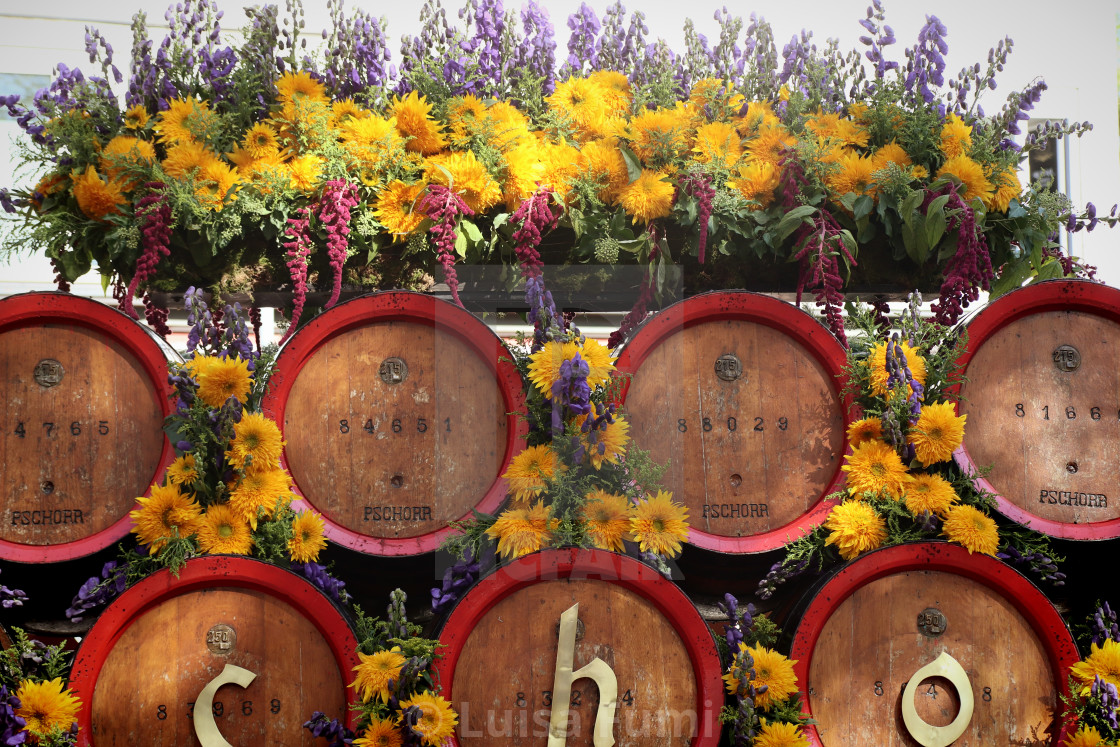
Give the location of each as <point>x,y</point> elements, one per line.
<point>862,206</point>
<point>460,242</point>
<point>473,233</point>
<point>791,220</point>
<point>935,227</point>
<point>911,203</point>
<point>1015,210</point>
<point>937,205</point>
<point>633,165</point>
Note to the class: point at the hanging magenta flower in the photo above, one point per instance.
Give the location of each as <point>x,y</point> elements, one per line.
<point>299,249</point>
<point>444,208</point>
<point>334,211</point>
<point>154,211</point>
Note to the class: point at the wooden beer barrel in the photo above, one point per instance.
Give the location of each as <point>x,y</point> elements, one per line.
<point>400,412</point>
<point>142,670</point>
<point>739,392</point>
<point>505,642</point>
<point>1042,397</point>
<point>85,394</point>
<point>870,628</point>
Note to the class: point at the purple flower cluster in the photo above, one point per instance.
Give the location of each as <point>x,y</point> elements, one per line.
<point>357,53</point>
<point>235,336</point>
<point>571,395</point>
<point>1017,106</point>
<point>485,25</point>
<point>98,591</point>
<point>1104,625</point>
<point>434,43</point>
<point>12,727</point>
<point>1108,700</point>
<point>898,373</point>
<point>536,54</point>
<point>318,575</point>
<point>1038,562</point>
<point>456,580</point>
<point>331,729</point>
<point>94,40</point>
<point>11,597</point>
<point>925,63</point>
<point>737,621</point>
<point>583,49</point>
<point>206,331</point>
<point>881,36</point>
<point>779,573</point>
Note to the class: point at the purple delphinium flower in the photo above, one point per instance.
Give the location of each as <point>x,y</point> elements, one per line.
<point>331,729</point>
<point>358,56</point>
<point>926,62</point>
<point>880,36</point>
<point>98,591</point>
<point>537,52</point>
<point>11,597</point>
<point>738,621</point>
<point>571,394</point>
<point>456,579</point>
<point>318,575</point>
<point>1104,625</point>
<point>583,56</point>
<point>12,727</point>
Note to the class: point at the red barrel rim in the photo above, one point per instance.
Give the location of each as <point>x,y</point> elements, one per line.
<point>935,556</point>
<point>787,318</point>
<point>628,573</point>
<point>208,572</point>
<point>1053,295</point>
<point>39,308</point>
<point>406,306</point>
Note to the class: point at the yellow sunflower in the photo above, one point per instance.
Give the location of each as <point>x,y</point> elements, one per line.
<point>1007,188</point>
<point>759,116</point>
<point>544,365</point>
<point>779,734</point>
<point>223,531</point>
<point>260,489</point>
<point>718,142</point>
<point>216,183</point>
<point>756,181</point>
<point>123,153</point>
<point>396,209</point>
<point>659,525</point>
<point>256,443</point>
<point>892,152</point>
<point>1103,661</point>
<point>437,719</point>
<point>184,158</point>
<point>875,467</point>
<point>162,514</point>
<point>770,145</point>
<point>877,360</point>
<point>304,172</point>
<point>415,123</point>
<point>971,176</point>
<point>608,519</point>
<point>931,493</point>
<point>657,136</point>
<point>1086,736</point>
<point>972,529</point>
<point>529,472</point>
<point>584,102</point>
<point>136,118</point>
<point>374,672</point>
<point>183,470</point>
<point>525,171</point>
<point>856,528</point>
<point>307,537</point>
<point>97,198</point>
<point>509,127</point>
<point>937,434</point>
<point>468,177</point>
<point>260,140</point>
<point>771,669</point>
<point>648,197</point>
<point>520,531</point>
<point>610,441</point>
<point>185,120</point>
<point>295,86</point>
<point>346,109</point>
<point>956,137</point>
<point>854,174</point>
<point>380,734</point>
<point>614,88</point>
<point>602,162</point>
<point>222,378</point>
<point>46,706</point>
<point>866,429</point>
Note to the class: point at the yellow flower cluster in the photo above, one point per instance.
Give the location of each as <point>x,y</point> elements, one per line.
<point>874,467</point>
<point>46,706</point>
<point>372,679</point>
<point>260,487</point>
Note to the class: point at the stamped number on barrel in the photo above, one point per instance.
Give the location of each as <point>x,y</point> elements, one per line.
<point>55,428</point>
<point>1070,412</point>
<point>731,424</point>
<point>396,425</point>
<point>577,699</point>
<point>218,708</point>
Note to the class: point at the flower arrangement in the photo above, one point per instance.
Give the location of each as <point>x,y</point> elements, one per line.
<point>580,481</point>
<point>902,484</point>
<point>767,710</point>
<point>226,491</point>
<point>36,707</point>
<point>273,160</point>
<point>400,704</point>
<point>1094,703</point>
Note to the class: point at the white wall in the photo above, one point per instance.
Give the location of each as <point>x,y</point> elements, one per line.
<point>1072,45</point>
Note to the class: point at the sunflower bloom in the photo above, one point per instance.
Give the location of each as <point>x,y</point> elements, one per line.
<point>437,719</point>
<point>771,669</point>
<point>520,531</point>
<point>529,473</point>
<point>256,443</point>
<point>295,86</point>
<point>854,174</point>
<point>971,176</point>
<point>260,489</point>
<point>867,429</point>
<point>222,378</point>
<point>46,706</point>
<point>718,142</point>
<point>305,172</point>
<point>779,734</point>
<point>1103,661</point>
<point>583,102</point>
<point>602,162</point>
<point>937,434</point>
<point>877,359</point>
<point>414,122</point>
<point>931,493</point>
<point>260,140</point>
<point>659,525</point>
<point>223,531</point>
<point>468,177</point>
<point>307,537</point>
<point>184,158</point>
<point>183,471</point>
<point>183,121</point>
<point>214,183</point>
<point>756,181</point>
<point>162,514</point>
<point>1007,188</point>
<point>771,145</point>
<point>136,118</point>
<point>658,136</point>
<point>874,467</point>
<point>396,209</point>
<point>97,198</point>
<point>648,197</point>
<point>380,733</point>
<point>610,441</point>
<point>972,529</point>
<point>608,519</point>
<point>856,528</point>
<point>123,153</point>
<point>1086,736</point>
<point>544,365</point>
<point>956,137</point>
<point>374,672</point>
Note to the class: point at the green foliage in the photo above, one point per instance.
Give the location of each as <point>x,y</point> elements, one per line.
<point>29,659</point>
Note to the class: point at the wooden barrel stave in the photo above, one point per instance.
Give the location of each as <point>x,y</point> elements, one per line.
<point>738,392</point>
<point>86,392</point>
